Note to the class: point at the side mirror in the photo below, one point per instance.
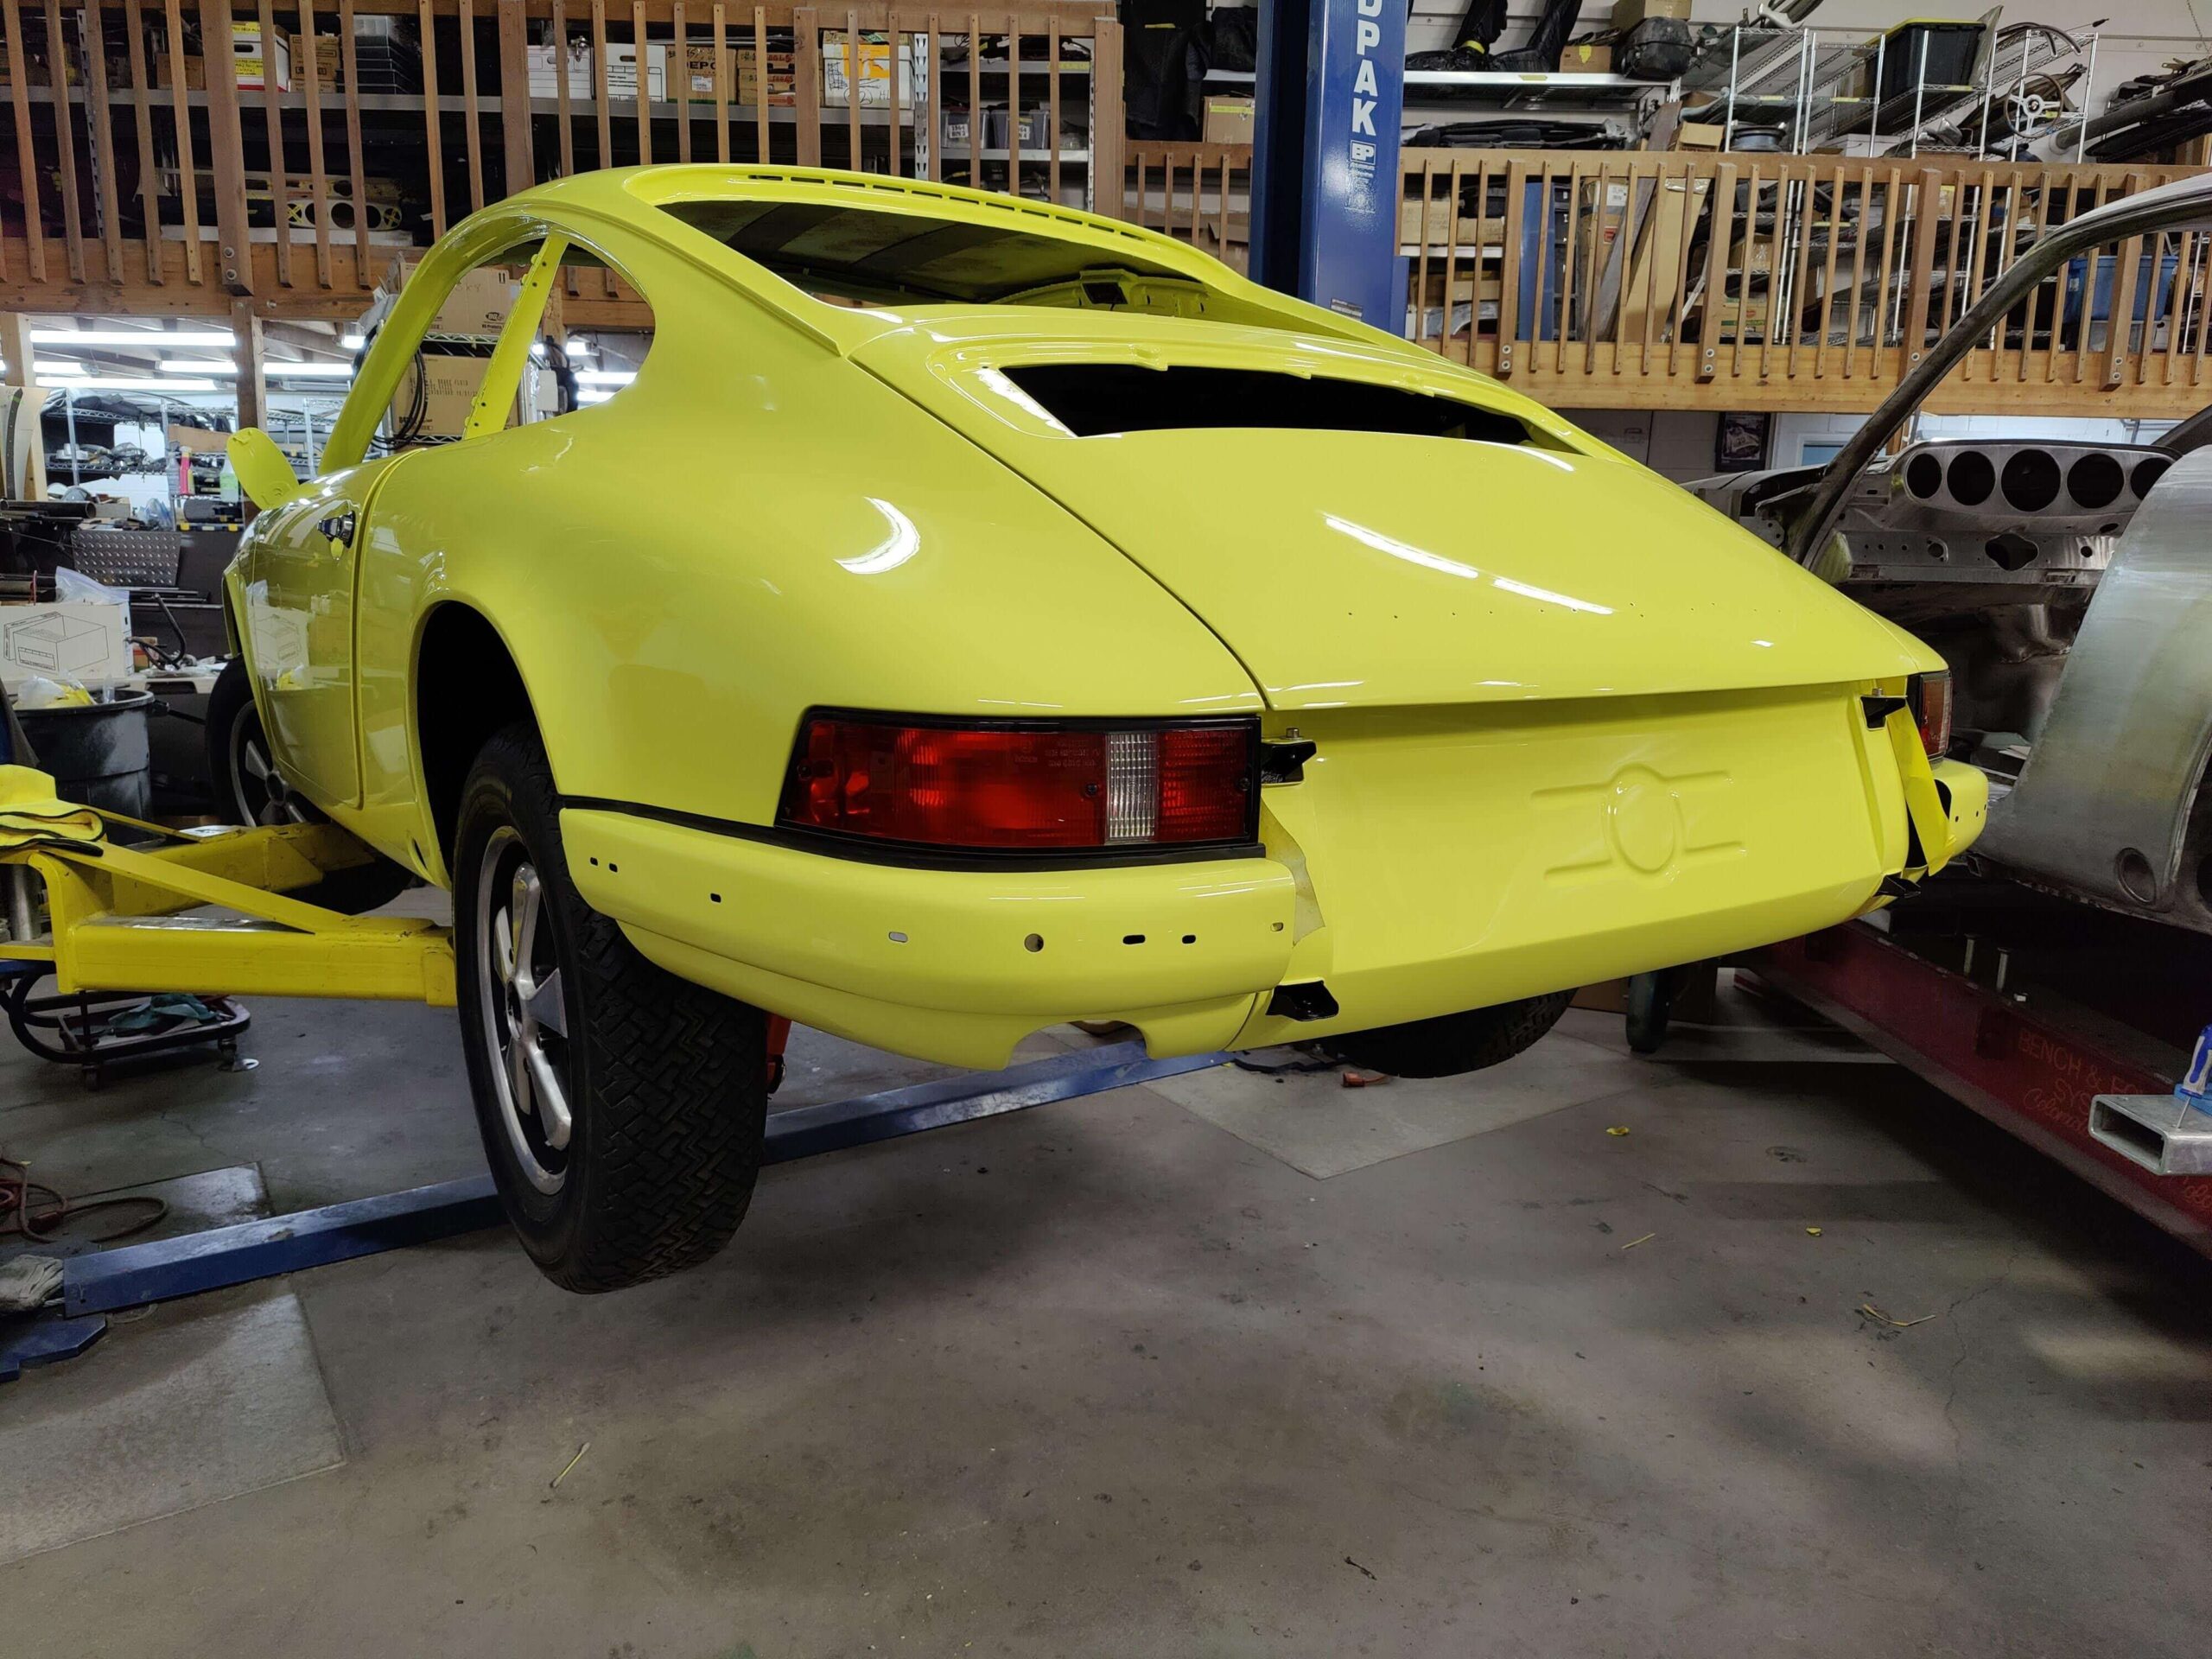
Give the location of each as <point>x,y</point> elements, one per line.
<point>266,477</point>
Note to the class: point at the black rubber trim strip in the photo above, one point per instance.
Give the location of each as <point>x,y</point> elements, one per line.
<point>906,855</point>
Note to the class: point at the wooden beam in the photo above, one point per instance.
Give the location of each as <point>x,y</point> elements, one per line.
<point>253,368</point>
<point>349,56</point>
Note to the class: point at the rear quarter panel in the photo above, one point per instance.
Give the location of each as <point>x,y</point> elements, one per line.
<point>754,527</point>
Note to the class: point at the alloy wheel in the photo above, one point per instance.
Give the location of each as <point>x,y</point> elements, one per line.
<point>524,1021</point>
<point>258,789</point>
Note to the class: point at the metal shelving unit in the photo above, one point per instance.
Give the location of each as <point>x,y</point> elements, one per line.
<point>1797,80</point>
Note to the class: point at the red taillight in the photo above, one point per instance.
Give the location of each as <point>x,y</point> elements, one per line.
<point>1931,696</point>
<point>1023,788</point>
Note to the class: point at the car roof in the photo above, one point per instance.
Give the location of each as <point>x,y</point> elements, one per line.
<point>638,196</point>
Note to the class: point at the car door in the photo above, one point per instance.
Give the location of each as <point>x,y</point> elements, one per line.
<point>299,619</point>
<point>302,603</point>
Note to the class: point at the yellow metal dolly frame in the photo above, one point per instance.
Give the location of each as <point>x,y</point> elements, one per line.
<point>114,920</point>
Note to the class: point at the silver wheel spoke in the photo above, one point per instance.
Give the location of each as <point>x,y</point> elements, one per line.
<point>519,1074</point>
<point>542,1003</point>
<point>524,906</point>
<point>552,1099</point>
<point>503,949</point>
<point>256,763</point>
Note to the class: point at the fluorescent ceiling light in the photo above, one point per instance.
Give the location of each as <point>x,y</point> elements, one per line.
<point>590,395</point>
<point>199,365</point>
<point>606,376</point>
<point>131,382</point>
<point>321,371</point>
<point>578,346</point>
<point>353,343</point>
<point>150,338</point>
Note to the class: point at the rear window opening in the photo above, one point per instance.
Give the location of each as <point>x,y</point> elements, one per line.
<point>868,256</point>
<point>1096,399</point>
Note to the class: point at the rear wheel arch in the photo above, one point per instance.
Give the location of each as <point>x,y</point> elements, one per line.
<point>467,687</point>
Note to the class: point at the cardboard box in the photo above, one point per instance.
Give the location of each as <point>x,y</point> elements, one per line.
<point>873,56</point>
<point>545,63</point>
<point>1433,228</point>
<point>1655,260</point>
<point>622,72</point>
<point>256,69</point>
<point>1586,58</point>
<point>247,61</point>
<point>782,84</point>
<point>78,639</point>
<point>700,74</point>
<point>1229,120</point>
<point>325,59</point>
<point>1700,134</point>
<point>478,306</point>
<point>452,384</point>
<point>1627,14</point>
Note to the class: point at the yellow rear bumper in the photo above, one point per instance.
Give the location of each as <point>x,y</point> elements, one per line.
<point>948,964</point>
<point>1430,862</point>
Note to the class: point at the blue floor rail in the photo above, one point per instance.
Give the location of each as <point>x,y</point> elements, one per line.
<point>130,1275</point>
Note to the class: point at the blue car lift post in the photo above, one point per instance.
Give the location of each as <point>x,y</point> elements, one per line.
<point>131,1275</point>
<point>1331,93</point>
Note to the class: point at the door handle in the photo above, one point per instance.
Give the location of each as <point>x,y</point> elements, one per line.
<point>339,527</point>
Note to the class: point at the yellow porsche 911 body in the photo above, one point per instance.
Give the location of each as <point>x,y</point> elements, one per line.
<point>1400,697</point>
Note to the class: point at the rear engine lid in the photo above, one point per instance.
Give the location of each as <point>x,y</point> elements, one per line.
<point>1363,529</point>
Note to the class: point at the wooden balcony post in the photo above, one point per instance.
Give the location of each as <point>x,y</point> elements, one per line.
<point>514,97</point>
<point>1109,124</point>
<point>225,140</point>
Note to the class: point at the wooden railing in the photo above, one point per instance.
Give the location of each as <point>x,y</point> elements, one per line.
<point>1791,283</point>
<point>133,178</point>
<point>1201,192</point>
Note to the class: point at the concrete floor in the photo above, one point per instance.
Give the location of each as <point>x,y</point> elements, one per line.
<point>1224,1366</point>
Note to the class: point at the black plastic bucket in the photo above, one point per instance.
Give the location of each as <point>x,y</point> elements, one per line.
<point>97,752</point>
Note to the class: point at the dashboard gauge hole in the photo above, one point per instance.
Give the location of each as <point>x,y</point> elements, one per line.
<point>2030,480</point>
<point>2094,481</point>
<point>1971,478</point>
<point>1923,475</point>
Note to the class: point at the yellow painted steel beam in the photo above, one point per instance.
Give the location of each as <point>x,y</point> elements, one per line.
<point>114,920</point>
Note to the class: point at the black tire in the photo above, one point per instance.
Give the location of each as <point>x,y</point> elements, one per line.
<point>1452,1043</point>
<point>234,734</point>
<point>665,1082</point>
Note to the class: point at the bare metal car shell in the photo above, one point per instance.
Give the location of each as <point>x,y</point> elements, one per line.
<point>2110,803</point>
